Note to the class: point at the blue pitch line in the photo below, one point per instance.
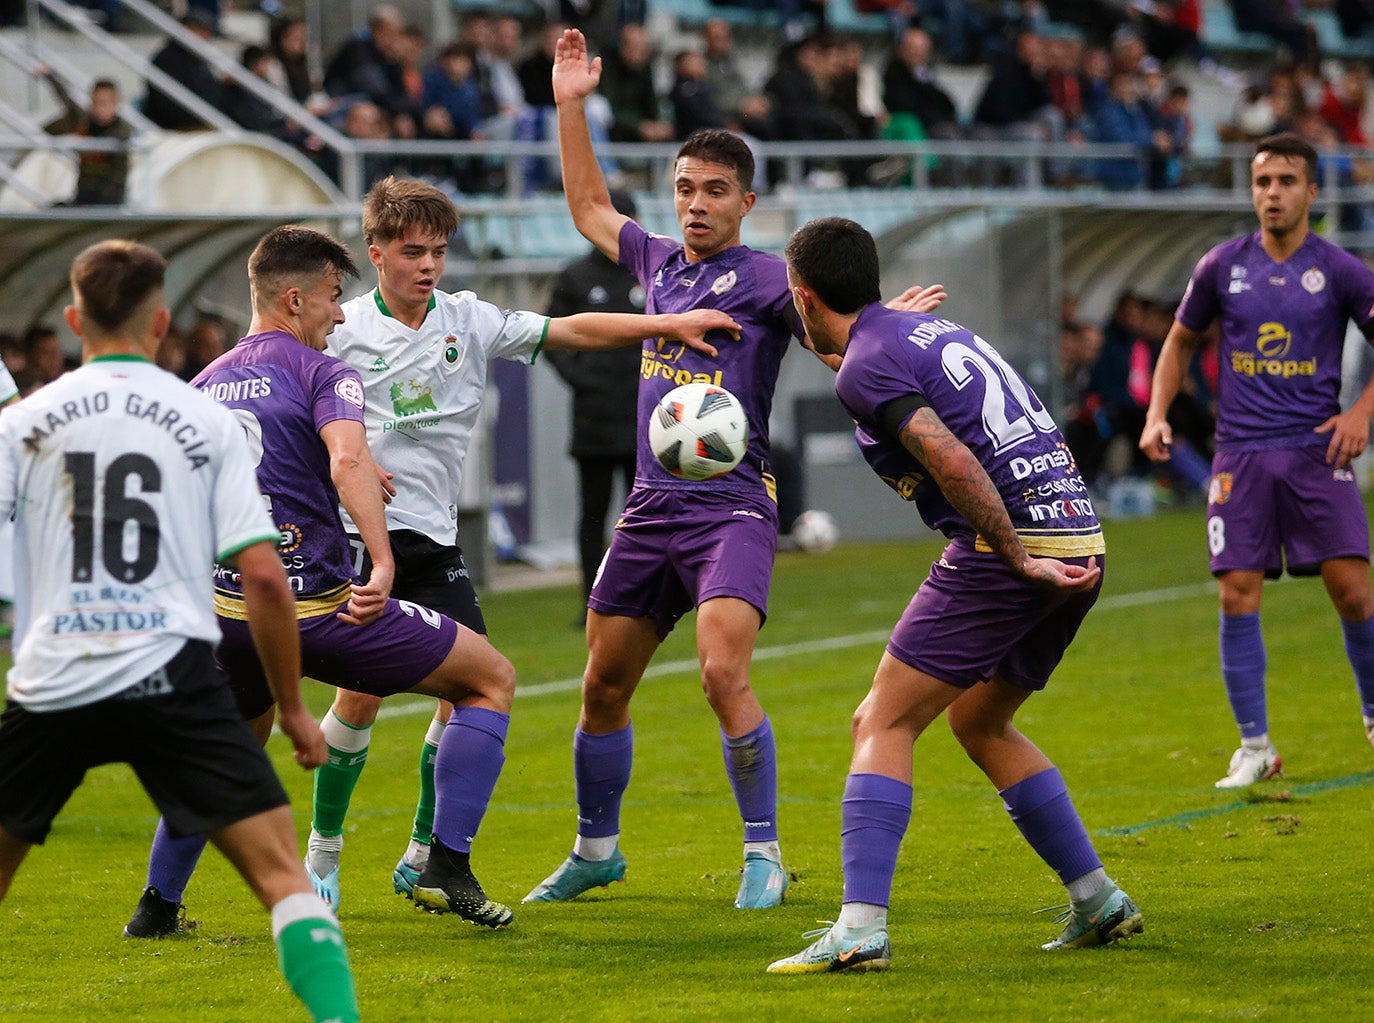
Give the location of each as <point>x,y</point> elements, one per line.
<point>425,704</point>
<point>1187,817</point>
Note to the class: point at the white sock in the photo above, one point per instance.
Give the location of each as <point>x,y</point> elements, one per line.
<point>343,737</point>
<point>323,853</point>
<point>417,854</point>
<point>769,850</point>
<point>297,907</point>
<point>1258,742</point>
<point>595,848</point>
<point>1086,888</point>
<point>856,915</point>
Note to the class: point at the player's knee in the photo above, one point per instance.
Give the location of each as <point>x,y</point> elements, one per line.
<point>723,685</point>
<point>602,703</point>
<point>358,710</point>
<point>1238,600</point>
<point>1353,603</point>
<point>501,683</point>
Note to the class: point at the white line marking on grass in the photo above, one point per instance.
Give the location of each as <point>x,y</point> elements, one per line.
<point>421,705</point>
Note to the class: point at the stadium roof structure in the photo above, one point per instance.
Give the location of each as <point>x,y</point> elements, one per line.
<point>36,251</point>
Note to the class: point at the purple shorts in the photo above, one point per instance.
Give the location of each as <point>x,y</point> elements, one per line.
<point>395,653</point>
<point>1268,507</point>
<point>673,550</point>
<point>973,618</point>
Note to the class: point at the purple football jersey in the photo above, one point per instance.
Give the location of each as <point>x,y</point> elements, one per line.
<point>750,286</point>
<point>283,393</point>
<point>1282,335</point>
<point>986,405</point>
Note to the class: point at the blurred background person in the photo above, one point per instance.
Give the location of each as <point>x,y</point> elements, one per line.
<point>605,395</point>
<point>101,175</point>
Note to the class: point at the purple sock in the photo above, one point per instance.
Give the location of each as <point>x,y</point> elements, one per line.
<point>873,819</point>
<point>471,754</point>
<point>172,861</point>
<point>601,767</point>
<point>1242,669</point>
<point>1359,647</point>
<point>751,761</point>
<point>1041,809</point>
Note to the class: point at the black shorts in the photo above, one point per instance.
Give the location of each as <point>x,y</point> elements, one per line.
<point>430,574</point>
<point>180,731</point>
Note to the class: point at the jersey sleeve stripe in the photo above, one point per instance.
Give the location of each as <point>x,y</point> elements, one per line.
<point>272,538</point>
<point>543,336</point>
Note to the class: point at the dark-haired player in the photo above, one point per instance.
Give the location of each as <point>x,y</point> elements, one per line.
<point>1282,487</point>
<point>680,544</point>
<point>126,485</point>
<point>948,424</point>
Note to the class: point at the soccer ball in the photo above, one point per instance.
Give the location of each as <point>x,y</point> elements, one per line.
<point>699,431</point>
<point>815,531</point>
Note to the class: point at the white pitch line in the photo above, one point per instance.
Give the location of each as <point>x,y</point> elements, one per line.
<point>421,704</point>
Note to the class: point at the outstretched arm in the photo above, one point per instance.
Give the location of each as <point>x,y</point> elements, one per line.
<point>1170,370</point>
<point>574,79</point>
<point>360,488</point>
<point>964,481</point>
<point>595,332</point>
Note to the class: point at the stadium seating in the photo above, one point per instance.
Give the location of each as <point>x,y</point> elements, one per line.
<point>1220,34</point>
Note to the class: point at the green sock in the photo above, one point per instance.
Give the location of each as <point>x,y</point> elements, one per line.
<point>334,781</point>
<point>424,809</point>
<point>314,961</point>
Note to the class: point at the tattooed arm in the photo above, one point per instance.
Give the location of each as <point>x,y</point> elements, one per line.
<point>964,481</point>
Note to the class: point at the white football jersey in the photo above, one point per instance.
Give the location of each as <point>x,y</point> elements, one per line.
<point>8,388</point>
<point>126,485</point>
<point>424,392</point>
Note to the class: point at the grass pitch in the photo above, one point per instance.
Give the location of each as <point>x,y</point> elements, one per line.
<point>1253,904</point>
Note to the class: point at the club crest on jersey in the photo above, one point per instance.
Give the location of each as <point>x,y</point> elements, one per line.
<point>1220,490</point>
<point>724,283</point>
<point>451,351</point>
<point>351,391</point>
<point>1238,281</point>
<point>1313,281</point>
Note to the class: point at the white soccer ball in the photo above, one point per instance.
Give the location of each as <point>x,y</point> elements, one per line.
<point>815,531</point>
<point>699,431</point>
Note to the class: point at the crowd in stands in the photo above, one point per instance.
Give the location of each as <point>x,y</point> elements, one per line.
<point>36,357</point>
<point>1107,375</point>
<point>1060,71</point>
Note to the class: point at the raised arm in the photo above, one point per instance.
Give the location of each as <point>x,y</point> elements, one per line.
<point>357,481</point>
<point>598,332</point>
<point>276,636</point>
<point>1170,370</point>
<point>574,79</point>
<point>967,486</point>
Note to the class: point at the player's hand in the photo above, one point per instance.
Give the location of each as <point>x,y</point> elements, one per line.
<point>918,299</point>
<point>388,488</point>
<point>368,600</point>
<point>1349,437</point>
<point>300,726</point>
<point>574,79</point>
<point>692,326</point>
<point>1056,575</point>
<point>1156,439</point>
